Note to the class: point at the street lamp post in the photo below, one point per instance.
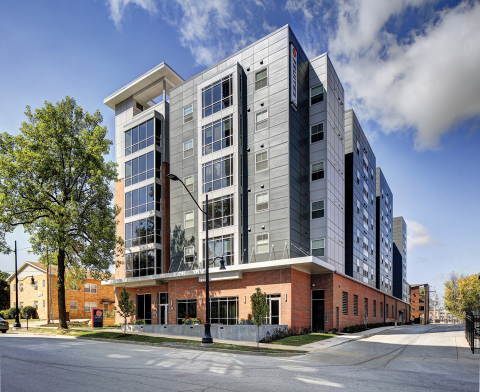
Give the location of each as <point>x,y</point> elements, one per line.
<point>17,320</point>
<point>207,337</point>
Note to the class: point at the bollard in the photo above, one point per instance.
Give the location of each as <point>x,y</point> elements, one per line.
<point>395,324</point>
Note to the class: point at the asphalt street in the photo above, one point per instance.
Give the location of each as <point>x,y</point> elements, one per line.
<point>417,358</point>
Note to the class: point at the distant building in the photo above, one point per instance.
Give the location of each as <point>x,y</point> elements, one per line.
<point>36,286</point>
<point>400,285</point>
<point>419,302</point>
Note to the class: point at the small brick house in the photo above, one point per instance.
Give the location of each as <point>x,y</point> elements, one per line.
<point>37,293</point>
<point>419,295</point>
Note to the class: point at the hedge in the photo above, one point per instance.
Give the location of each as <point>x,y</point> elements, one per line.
<point>361,327</point>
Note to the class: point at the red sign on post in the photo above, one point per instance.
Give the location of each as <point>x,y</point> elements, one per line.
<point>97,318</point>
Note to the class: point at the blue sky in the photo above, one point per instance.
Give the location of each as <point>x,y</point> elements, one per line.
<point>409,69</point>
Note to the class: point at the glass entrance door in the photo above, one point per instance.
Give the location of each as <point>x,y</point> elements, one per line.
<point>163,308</point>
<point>144,308</point>
<point>273,316</point>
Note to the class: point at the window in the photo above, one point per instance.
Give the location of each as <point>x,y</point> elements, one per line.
<point>187,113</point>
<point>188,149</point>
<point>217,135</point>
<point>371,174</point>
<point>14,287</point>
<point>358,236</point>
<point>43,283</point>
<point>381,309</point>
<point>21,286</point>
<point>218,174</point>
<point>221,246</point>
<point>358,265</point>
<point>139,169</point>
<point>345,303</point>
<point>358,148</point>
<point>374,308</point>
<point>224,310</point>
<point>89,306</point>
<point>316,95</point>
<point>188,181</point>
<point>139,137</point>
<point>316,132</point>
<point>189,219</point>
<point>358,206</point>
<point>318,210</point>
<point>142,232</point>
<point>262,243</point>
<point>317,171</point>
<point>366,307</point>
<point>186,307</point>
<point>261,202</point>
<point>355,305</point>
<point>217,96</point>
<point>35,304</point>
<point>189,254</point>
<point>318,248</point>
<point>90,288</point>
<point>261,79</point>
<point>358,177</point>
<point>261,119</point>
<point>43,303</point>
<point>143,263</point>
<point>73,305</point>
<point>386,310</point>
<point>21,304</point>
<point>261,161</point>
<point>220,212</point>
<point>139,201</point>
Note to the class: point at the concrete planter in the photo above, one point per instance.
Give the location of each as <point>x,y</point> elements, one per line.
<point>245,333</point>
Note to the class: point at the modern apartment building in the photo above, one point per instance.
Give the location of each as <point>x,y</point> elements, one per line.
<point>384,233</point>
<point>400,285</point>
<point>262,135</point>
<point>360,203</point>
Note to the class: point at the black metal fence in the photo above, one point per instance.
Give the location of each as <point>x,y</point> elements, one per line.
<point>472,330</point>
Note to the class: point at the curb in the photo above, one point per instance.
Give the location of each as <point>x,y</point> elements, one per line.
<point>169,345</point>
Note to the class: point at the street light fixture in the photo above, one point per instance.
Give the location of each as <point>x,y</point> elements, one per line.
<point>207,337</point>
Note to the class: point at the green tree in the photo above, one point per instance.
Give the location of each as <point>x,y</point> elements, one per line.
<point>55,182</point>
<point>125,308</point>
<point>259,308</point>
<point>469,290</point>
<point>4,291</point>
<point>451,299</point>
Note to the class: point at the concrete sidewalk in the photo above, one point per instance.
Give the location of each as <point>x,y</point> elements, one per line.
<point>345,338</point>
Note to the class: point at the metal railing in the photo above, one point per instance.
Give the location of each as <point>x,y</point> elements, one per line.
<point>472,330</point>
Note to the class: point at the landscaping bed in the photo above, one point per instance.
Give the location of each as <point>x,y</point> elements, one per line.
<point>300,340</point>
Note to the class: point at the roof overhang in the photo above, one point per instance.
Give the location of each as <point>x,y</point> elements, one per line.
<point>309,264</point>
<point>23,266</point>
<point>147,86</point>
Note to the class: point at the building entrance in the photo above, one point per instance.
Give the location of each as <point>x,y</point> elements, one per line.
<point>273,316</point>
<point>318,310</point>
<point>162,308</point>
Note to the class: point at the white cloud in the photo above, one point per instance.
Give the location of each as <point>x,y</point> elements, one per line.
<point>418,235</point>
<point>117,8</point>
<point>428,82</point>
<point>212,29</point>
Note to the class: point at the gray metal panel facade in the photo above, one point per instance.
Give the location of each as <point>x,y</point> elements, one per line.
<point>384,234</point>
<point>360,211</point>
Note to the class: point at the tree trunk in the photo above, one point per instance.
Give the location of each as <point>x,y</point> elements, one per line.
<point>62,315</point>
<point>258,335</point>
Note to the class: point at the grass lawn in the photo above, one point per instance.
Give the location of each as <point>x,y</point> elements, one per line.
<point>150,339</point>
<point>300,340</point>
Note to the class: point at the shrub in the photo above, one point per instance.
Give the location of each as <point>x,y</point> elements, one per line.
<point>281,333</point>
<point>9,313</point>
<point>2,314</point>
<point>28,311</point>
<point>333,331</point>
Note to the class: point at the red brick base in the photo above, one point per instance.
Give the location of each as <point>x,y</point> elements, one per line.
<point>294,287</point>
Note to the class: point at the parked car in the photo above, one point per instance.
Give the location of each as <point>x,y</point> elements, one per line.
<point>4,325</point>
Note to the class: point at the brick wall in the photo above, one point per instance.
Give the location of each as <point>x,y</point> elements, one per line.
<point>415,303</point>
<point>277,281</point>
<point>29,295</point>
<point>335,285</point>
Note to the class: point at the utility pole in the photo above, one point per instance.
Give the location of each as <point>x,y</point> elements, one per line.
<point>17,320</point>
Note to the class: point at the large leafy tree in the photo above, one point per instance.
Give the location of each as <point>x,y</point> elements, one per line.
<point>469,289</point>
<point>451,298</point>
<point>56,183</point>
<point>4,291</point>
